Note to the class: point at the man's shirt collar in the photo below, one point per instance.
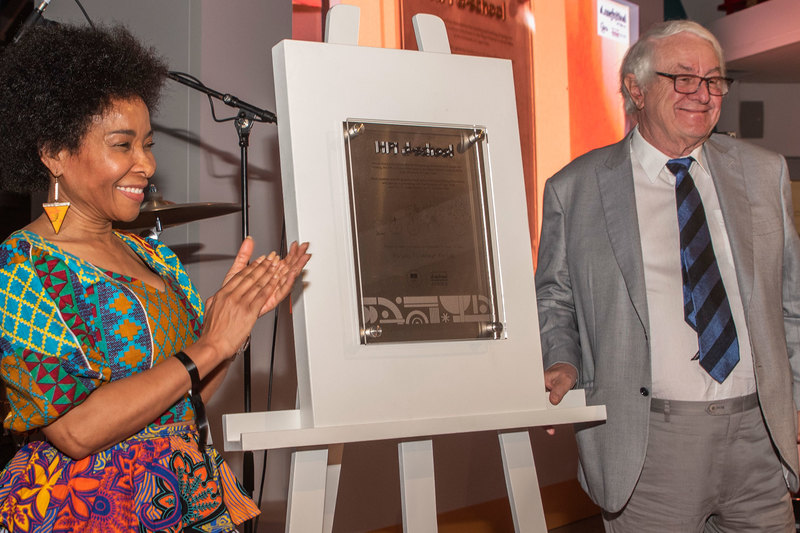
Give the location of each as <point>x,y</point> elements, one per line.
<point>653,160</point>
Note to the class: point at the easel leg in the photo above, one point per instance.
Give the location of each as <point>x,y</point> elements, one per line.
<point>335,452</point>
<point>522,483</point>
<point>306,503</point>
<point>417,487</point>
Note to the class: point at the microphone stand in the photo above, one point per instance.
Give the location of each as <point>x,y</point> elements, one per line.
<point>32,20</point>
<point>247,116</point>
<point>260,115</point>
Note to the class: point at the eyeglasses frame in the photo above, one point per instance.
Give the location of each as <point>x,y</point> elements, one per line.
<point>674,78</point>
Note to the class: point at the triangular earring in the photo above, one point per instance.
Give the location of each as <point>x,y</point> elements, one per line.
<point>56,211</point>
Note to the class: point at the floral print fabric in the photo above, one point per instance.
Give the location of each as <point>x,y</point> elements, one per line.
<point>155,481</point>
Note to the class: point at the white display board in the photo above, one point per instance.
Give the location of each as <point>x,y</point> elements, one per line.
<point>340,380</point>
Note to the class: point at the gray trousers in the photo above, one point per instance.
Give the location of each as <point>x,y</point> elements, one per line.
<point>709,467</point>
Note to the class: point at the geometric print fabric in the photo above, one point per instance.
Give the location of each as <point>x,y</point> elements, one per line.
<point>125,331</point>
<point>67,328</point>
<point>166,314</point>
<point>169,325</point>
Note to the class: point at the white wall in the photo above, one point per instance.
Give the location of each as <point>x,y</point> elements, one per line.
<point>781,114</point>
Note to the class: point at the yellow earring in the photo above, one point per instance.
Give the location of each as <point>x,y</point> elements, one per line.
<point>56,211</point>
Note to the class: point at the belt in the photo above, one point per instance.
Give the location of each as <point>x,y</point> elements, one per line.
<point>728,406</point>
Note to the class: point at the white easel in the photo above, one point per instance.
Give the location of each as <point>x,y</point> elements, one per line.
<point>458,387</point>
<point>314,475</point>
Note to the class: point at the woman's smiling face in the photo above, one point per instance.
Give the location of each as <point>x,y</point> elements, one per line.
<point>104,180</point>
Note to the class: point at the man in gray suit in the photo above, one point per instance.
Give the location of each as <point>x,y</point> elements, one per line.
<point>668,286</point>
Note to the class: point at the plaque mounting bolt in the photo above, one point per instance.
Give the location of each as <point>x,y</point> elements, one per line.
<point>354,130</point>
<point>373,332</point>
<point>467,141</point>
<point>494,329</point>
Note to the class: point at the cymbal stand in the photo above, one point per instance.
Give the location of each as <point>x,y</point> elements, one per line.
<point>246,117</point>
<point>156,230</point>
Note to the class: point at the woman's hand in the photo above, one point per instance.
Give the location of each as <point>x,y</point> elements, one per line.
<point>248,292</point>
<point>294,262</point>
<point>241,260</point>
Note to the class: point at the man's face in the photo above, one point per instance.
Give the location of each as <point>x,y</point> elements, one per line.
<point>672,122</point>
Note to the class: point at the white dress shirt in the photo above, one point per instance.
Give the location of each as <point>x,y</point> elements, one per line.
<point>673,343</point>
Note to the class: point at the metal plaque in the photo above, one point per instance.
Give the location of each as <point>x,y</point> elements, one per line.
<point>421,232</point>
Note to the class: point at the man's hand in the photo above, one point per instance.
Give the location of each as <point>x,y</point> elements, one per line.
<point>558,379</point>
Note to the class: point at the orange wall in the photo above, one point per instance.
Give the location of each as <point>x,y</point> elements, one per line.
<point>576,102</point>
<point>596,115</point>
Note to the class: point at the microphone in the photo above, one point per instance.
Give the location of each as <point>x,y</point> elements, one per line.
<point>32,19</point>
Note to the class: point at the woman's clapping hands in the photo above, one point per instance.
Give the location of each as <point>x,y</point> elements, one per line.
<point>249,290</point>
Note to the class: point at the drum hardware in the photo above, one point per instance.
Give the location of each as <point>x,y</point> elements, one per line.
<point>155,213</point>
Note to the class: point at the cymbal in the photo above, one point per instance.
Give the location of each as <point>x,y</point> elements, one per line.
<point>172,214</point>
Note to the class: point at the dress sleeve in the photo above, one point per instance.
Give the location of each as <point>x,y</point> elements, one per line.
<point>41,360</point>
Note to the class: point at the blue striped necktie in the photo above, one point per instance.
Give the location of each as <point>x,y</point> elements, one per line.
<point>705,303</point>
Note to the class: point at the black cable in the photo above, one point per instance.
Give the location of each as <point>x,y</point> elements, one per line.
<point>210,100</point>
<point>282,249</point>
<point>85,14</point>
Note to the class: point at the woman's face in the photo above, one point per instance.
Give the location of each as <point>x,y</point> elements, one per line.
<point>104,180</point>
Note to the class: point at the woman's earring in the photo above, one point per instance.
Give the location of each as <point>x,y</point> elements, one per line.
<point>56,211</point>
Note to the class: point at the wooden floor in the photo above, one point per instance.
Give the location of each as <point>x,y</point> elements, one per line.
<point>495,517</point>
<point>593,524</point>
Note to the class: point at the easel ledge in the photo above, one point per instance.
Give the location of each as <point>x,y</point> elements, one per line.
<point>282,429</point>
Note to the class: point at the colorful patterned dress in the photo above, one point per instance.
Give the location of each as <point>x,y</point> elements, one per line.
<point>67,328</point>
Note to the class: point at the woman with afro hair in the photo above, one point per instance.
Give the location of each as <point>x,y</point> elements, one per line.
<point>106,347</point>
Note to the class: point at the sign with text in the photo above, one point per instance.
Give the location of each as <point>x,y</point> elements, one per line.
<point>421,222</point>
<point>613,21</point>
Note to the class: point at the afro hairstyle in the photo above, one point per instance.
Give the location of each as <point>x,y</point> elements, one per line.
<point>53,81</point>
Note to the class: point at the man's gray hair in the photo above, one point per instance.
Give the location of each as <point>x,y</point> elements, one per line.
<point>639,58</point>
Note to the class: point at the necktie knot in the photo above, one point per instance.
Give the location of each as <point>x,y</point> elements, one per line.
<point>680,167</point>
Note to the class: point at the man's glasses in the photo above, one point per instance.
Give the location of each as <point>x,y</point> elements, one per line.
<point>689,83</point>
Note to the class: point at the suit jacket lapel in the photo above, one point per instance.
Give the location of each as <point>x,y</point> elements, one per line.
<point>729,181</point>
<point>615,180</point>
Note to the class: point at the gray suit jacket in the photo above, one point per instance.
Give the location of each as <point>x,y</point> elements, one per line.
<point>590,290</point>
